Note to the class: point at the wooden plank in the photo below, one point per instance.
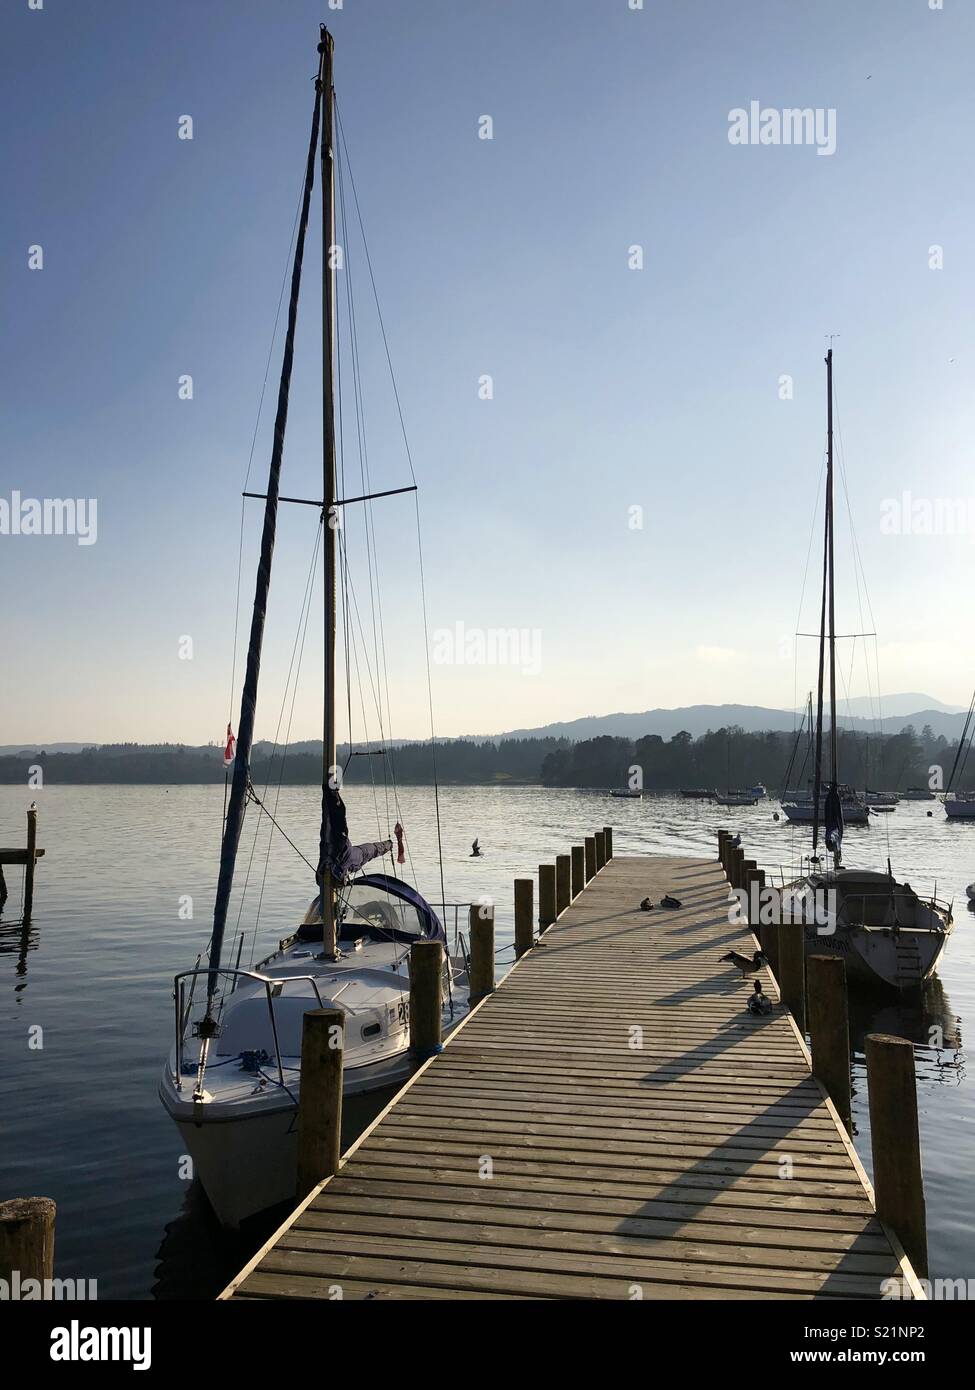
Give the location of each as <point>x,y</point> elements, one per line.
<point>610,1123</point>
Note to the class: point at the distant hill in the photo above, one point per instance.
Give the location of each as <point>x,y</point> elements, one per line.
<point>698,719</point>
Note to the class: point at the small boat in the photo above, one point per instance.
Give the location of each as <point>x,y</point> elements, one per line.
<point>735,798</point>
<point>699,793</point>
<point>758,791</point>
<point>881,801</point>
<point>232,1080</point>
<point>627,792</point>
<point>918,794</point>
<point>804,811</point>
<point>884,931</point>
<point>960,805</point>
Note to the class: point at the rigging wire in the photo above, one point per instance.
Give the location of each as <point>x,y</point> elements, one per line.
<point>416,502</point>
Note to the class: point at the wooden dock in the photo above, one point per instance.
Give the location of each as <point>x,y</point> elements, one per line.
<point>610,1123</point>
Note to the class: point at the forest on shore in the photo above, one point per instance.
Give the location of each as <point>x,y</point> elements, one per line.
<point>717,759</point>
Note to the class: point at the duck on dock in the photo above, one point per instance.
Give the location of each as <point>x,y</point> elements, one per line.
<point>759,1003</point>
<point>744,964</point>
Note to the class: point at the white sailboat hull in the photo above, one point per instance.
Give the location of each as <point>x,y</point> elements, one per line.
<point>801,812</point>
<point>245,1155</point>
<point>239,1125</point>
<point>900,958</point>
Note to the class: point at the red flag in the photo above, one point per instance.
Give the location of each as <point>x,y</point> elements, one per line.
<point>228,752</point>
<point>400,854</point>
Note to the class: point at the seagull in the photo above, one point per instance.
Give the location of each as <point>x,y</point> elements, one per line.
<point>742,963</point>
<point>736,841</point>
<point>475,851</point>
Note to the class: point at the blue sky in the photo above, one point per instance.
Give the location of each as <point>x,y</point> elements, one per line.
<point>613,388</point>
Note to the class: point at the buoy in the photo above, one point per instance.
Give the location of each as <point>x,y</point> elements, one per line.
<point>970,890</point>
<point>775,815</point>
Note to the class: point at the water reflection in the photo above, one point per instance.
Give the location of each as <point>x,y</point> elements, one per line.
<point>17,938</point>
<point>926,1019</point>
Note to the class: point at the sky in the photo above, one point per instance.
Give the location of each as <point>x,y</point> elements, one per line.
<point>625,523</point>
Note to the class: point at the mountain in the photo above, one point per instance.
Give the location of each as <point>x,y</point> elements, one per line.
<point>897,706</point>
<point>698,719</point>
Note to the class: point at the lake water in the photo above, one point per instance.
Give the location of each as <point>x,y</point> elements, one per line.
<point>81,1121</point>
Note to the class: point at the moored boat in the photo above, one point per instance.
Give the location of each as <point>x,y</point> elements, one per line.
<point>887,934</point>
<point>232,1081</point>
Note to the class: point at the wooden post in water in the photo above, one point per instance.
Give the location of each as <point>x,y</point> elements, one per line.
<point>897,1176</point>
<point>608,837</point>
<point>563,882</point>
<point>578,869</point>
<point>590,848</point>
<point>737,860</point>
<point>524,912</point>
<point>320,1097</point>
<point>27,1238</point>
<point>748,871</point>
<point>722,841</point>
<point>792,970</point>
<point>426,999</point>
<point>600,839</point>
<point>31,862</point>
<point>770,945</point>
<point>547,912</point>
<point>829,1028</point>
<point>481,980</point>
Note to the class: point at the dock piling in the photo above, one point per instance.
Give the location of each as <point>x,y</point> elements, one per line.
<point>546,896</point>
<point>600,839</point>
<point>563,882</point>
<point>897,1175</point>
<point>27,1238</point>
<point>481,979</point>
<point>829,1028</point>
<point>608,838</point>
<point>578,869</point>
<point>524,912</point>
<point>320,1098</point>
<point>31,863</point>
<point>426,999</point>
<point>590,849</point>
<point>792,970</point>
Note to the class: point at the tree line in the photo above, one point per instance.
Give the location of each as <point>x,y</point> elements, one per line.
<point>718,759</point>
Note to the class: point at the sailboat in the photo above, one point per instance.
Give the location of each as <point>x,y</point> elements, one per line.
<point>233,1078</point>
<point>960,805</point>
<point>886,933</point>
<point>736,796</point>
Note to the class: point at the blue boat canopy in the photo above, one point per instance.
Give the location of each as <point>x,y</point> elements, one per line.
<point>380,908</point>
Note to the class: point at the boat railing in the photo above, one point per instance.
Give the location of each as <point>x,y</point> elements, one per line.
<point>445,909</point>
<point>273,986</point>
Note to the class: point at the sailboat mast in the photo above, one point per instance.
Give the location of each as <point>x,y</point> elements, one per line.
<point>829,525</point>
<point>329,768</point>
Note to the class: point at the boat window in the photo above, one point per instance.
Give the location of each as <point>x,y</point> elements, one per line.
<point>368,911</point>
<point>371,1029</point>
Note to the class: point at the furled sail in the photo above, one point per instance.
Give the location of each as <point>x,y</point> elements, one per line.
<point>248,705</point>
<point>339,856</point>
